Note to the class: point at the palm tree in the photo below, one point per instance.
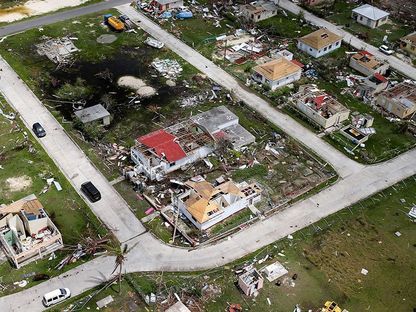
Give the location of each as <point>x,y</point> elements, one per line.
<point>120,253</point>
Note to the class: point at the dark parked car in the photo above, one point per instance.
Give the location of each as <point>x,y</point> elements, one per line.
<point>91,191</point>
<point>38,130</point>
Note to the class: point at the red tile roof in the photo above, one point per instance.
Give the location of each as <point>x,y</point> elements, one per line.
<point>363,52</point>
<point>319,100</point>
<point>296,62</point>
<point>163,143</point>
<point>380,77</point>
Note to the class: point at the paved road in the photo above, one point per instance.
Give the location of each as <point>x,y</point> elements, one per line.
<point>149,254</point>
<point>59,16</point>
<point>111,209</point>
<point>395,63</point>
<point>343,165</point>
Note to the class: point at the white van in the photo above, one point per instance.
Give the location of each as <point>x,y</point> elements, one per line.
<point>55,296</point>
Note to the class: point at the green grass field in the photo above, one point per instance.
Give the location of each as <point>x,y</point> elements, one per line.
<point>29,171</point>
<point>327,258</point>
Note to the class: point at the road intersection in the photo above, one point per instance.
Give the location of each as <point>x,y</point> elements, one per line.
<point>146,253</point>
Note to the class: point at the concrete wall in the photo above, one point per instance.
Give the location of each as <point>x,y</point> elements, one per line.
<point>274,84</point>
<point>257,17</point>
<point>395,108</point>
<point>334,120</point>
<point>220,215</point>
<point>318,53</point>
<point>368,22</point>
<point>368,71</point>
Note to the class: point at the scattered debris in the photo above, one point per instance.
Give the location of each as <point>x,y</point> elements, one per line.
<point>154,43</point>
<point>104,302</point>
<point>58,50</point>
<point>398,234</point>
<point>364,271</point>
<point>167,68</point>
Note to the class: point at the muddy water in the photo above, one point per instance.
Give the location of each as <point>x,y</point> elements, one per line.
<point>133,63</point>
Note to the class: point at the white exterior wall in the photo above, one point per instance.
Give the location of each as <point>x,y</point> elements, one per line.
<point>318,53</point>
<point>368,71</point>
<point>158,171</point>
<point>334,120</point>
<point>361,19</point>
<point>220,215</point>
<point>285,81</point>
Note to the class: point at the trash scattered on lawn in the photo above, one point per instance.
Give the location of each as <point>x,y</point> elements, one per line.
<point>398,234</point>
<point>21,283</point>
<point>104,302</point>
<point>364,271</point>
<point>154,43</point>
<point>412,212</point>
<point>167,68</point>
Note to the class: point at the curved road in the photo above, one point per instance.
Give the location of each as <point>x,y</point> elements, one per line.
<point>149,254</point>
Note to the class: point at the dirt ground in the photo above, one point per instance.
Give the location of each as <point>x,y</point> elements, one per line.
<point>16,184</point>
<point>404,10</point>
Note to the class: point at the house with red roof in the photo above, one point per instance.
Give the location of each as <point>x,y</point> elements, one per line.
<point>319,107</point>
<point>166,150</point>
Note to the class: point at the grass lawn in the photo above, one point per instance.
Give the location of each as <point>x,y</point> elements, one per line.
<point>340,14</point>
<point>66,209</point>
<point>327,258</point>
<point>389,141</point>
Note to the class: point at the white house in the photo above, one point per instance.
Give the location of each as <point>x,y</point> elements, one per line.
<point>319,42</point>
<point>367,64</point>
<point>370,16</point>
<point>166,150</point>
<point>277,73</point>
<point>163,5</point>
<point>205,205</point>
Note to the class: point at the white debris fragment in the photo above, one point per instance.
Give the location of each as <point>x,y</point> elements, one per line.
<point>364,271</point>
<point>398,234</point>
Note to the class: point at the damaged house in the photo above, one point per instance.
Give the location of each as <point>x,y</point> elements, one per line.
<point>205,204</point>
<point>399,100</point>
<point>367,64</point>
<point>319,107</point>
<point>26,232</point>
<point>258,10</point>
<point>166,150</point>
<point>251,282</point>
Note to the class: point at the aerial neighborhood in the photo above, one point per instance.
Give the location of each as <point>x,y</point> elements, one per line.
<point>178,155</point>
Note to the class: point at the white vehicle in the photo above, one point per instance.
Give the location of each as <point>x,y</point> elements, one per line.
<point>56,296</point>
<point>386,50</point>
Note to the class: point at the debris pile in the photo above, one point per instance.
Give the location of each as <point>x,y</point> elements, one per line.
<point>167,68</point>
<point>114,154</point>
<point>58,50</point>
<point>154,43</point>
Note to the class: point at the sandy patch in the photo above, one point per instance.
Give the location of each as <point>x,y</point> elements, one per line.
<point>35,7</point>
<point>16,184</point>
<point>137,85</point>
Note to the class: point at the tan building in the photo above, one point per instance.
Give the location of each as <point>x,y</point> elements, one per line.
<point>205,204</point>
<point>399,100</point>
<point>26,232</point>
<point>258,10</point>
<point>319,42</point>
<point>408,43</point>
<point>251,282</point>
<point>367,64</point>
<point>277,73</point>
<point>319,107</point>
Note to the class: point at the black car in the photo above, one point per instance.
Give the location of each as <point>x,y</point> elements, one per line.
<point>38,130</point>
<point>91,191</point>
